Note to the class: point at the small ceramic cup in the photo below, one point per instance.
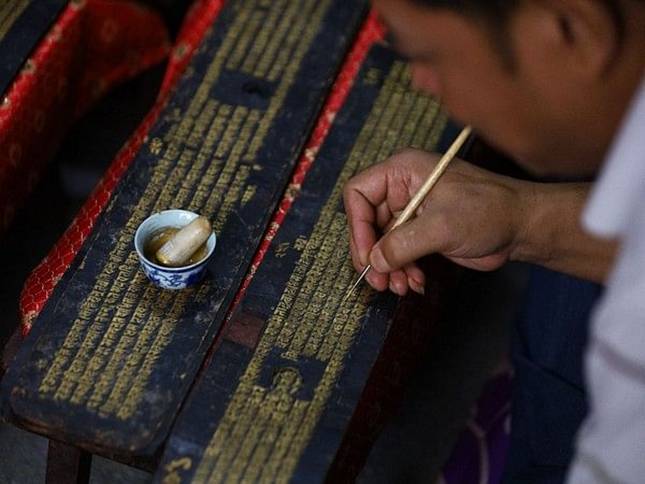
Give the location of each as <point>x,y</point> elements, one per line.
<point>170,277</point>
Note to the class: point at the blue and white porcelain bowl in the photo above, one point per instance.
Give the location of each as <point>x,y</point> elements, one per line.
<point>170,277</point>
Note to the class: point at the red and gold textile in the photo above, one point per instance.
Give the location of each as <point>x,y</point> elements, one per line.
<point>93,45</point>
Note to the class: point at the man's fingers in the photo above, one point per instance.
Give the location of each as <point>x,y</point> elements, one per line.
<point>362,196</point>
<point>371,198</point>
<point>416,278</point>
<point>414,239</point>
<point>399,283</point>
<point>361,216</point>
<point>383,215</point>
<point>378,281</point>
<point>353,251</point>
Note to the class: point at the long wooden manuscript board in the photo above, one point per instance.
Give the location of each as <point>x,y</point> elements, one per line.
<point>22,24</point>
<point>276,400</point>
<point>111,358</point>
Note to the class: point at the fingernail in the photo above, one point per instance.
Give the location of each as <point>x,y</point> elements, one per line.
<point>378,261</point>
<point>395,288</point>
<point>369,279</point>
<point>417,287</point>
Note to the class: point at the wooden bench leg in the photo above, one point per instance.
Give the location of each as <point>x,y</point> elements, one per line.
<point>67,464</point>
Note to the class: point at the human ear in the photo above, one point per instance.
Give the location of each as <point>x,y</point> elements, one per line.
<point>587,33</point>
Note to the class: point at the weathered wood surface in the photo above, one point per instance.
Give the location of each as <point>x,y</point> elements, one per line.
<point>277,399</point>
<point>22,24</point>
<point>111,358</point>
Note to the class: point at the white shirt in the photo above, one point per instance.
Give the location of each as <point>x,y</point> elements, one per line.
<point>611,443</point>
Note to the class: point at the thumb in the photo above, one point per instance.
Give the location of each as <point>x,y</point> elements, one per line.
<point>407,243</point>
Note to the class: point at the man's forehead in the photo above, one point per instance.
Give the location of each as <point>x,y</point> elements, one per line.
<point>402,16</point>
<point>412,28</point>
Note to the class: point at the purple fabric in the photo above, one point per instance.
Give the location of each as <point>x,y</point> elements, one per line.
<point>480,453</point>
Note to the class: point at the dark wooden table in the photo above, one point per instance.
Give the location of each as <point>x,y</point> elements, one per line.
<point>293,386</point>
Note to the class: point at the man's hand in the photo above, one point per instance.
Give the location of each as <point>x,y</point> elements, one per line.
<point>473,217</point>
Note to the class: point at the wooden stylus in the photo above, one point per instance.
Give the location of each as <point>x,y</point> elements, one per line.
<point>412,206</point>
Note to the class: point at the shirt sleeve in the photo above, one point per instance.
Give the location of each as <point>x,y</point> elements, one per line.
<point>611,443</point>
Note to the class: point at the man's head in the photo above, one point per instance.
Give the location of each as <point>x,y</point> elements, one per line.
<point>545,80</point>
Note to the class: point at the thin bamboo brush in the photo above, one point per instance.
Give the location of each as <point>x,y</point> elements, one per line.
<point>418,198</point>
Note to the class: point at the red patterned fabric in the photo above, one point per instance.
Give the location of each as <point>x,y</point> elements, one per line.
<point>93,45</point>
<point>44,278</point>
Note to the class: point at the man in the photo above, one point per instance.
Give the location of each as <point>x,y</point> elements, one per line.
<point>559,85</point>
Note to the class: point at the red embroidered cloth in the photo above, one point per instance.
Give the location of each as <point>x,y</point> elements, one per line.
<point>92,45</point>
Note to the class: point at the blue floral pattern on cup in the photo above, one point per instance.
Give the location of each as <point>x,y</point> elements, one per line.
<point>171,277</point>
